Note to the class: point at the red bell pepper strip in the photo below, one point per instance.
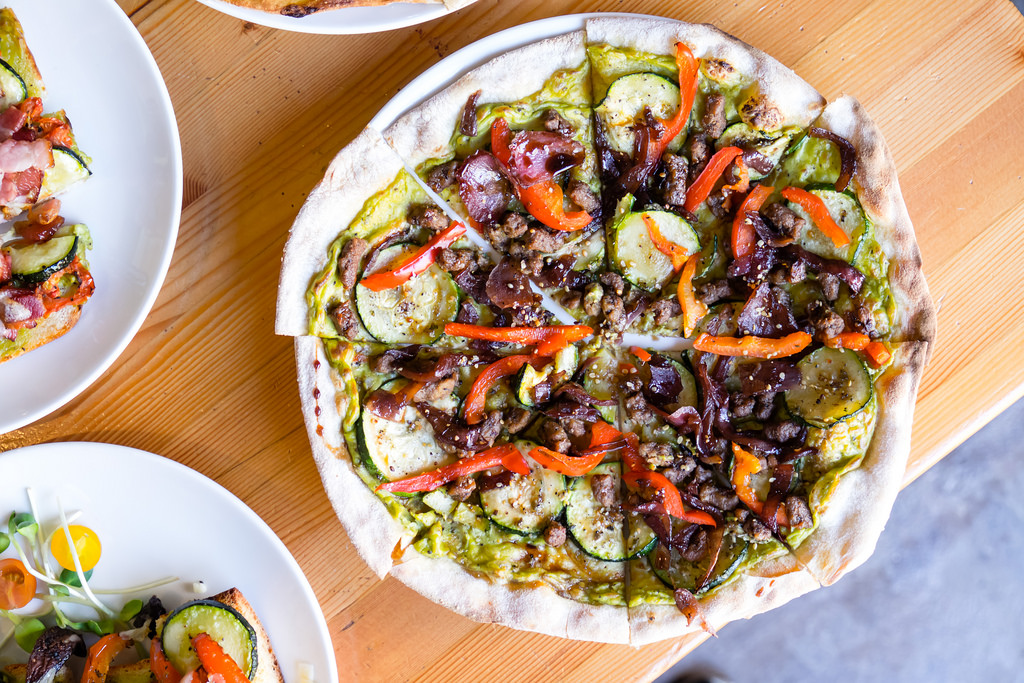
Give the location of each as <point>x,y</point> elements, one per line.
<point>743,236</point>
<point>417,264</point>
<point>705,182</point>
<point>506,455</point>
<point>519,335</point>
<point>670,497</point>
<point>569,465</point>
<point>878,354</point>
<point>477,396</point>
<point>218,664</point>
<point>101,654</point>
<point>693,308</point>
<point>162,669</point>
<point>753,347</point>
<point>643,354</point>
<point>544,199</point>
<point>676,252</point>
<point>689,75</point>
<point>631,455</point>
<point>746,463</point>
<point>743,184</point>
<point>813,205</point>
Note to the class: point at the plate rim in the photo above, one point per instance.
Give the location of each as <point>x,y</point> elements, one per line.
<point>101,450</point>
<point>68,394</point>
<point>294,24</point>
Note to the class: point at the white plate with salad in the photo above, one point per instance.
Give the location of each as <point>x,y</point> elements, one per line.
<point>340,20</point>
<point>114,502</point>
<point>98,69</point>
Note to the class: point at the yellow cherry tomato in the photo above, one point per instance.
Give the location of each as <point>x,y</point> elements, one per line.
<point>87,545</point>
<point>17,586</point>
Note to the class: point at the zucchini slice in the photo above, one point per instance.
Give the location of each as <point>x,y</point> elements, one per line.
<point>526,505</point>
<point>415,312</point>
<point>12,86</point>
<point>848,215</point>
<point>624,105</point>
<point>682,573</point>
<point>526,380</point>
<point>633,254</point>
<point>222,623</point>
<point>34,263</point>
<point>600,379</point>
<point>834,384</point>
<point>770,145</point>
<point>600,531</point>
<point>68,169</point>
<point>395,450</point>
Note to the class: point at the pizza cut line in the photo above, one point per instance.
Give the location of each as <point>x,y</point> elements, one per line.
<point>629,351</point>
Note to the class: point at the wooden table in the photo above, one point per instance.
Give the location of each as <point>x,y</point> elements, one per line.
<point>262,112</point>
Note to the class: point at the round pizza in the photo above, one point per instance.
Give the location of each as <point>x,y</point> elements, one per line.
<point>615,338</point>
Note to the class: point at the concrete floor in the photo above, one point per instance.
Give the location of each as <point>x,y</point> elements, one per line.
<point>942,598</point>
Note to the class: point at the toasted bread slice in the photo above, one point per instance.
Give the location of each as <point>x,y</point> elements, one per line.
<point>267,668</point>
<point>53,326</point>
<point>16,673</point>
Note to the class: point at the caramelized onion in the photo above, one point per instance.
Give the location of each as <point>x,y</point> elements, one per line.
<point>538,156</point>
<point>847,155</point>
<point>483,188</point>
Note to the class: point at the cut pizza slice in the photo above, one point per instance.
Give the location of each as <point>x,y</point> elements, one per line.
<point>510,148</point>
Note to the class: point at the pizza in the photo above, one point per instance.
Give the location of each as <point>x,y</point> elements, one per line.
<point>303,8</point>
<point>44,274</point>
<point>617,337</point>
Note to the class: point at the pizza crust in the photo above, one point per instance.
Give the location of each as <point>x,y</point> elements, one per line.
<point>426,131</point>
<point>372,530</point>
<point>762,588</point>
<point>879,192</point>
<point>360,170</point>
<point>796,100</point>
<point>537,608</point>
<point>859,507</point>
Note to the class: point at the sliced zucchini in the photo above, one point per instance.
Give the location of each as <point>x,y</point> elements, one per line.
<point>771,145</point>
<point>416,311</point>
<point>624,105</point>
<point>526,381</point>
<point>682,573</point>
<point>600,380</point>
<point>633,254</point>
<point>566,362</point>
<point>12,86</point>
<point>34,263</point>
<point>395,450</point>
<point>222,623</point>
<point>601,531</point>
<point>848,215</point>
<point>527,504</point>
<point>834,384</point>
<point>68,168</point>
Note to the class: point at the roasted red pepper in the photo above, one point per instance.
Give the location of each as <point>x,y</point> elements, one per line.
<point>507,456</point>
<point>569,465</point>
<point>101,654</point>
<point>418,263</point>
<point>753,347</point>
<point>676,252</point>
<point>477,397</point>
<point>689,76</point>
<point>877,352</point>
<point>546,339</point>
<point>162,669</point>
<point>743,235</point>
<point>813,205</point>
<point>670,497</point>
<point>705,182</point>
<point>545,199</point>
<point>643,354</point>
<point>693,308</point>
<point>216,662</point>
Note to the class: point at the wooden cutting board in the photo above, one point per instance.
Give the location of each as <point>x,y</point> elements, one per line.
<point>262,112</point>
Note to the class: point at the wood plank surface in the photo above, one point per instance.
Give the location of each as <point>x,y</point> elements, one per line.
<point>261,113</point>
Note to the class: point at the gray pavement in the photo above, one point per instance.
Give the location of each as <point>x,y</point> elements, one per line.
<point>942,598</point>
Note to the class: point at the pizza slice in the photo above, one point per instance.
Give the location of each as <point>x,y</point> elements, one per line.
<point>510,148</point>
<point>304,8</point>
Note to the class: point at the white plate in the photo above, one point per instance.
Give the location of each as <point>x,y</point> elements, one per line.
<point>158,518</point>
<point>96,66</point>
<point>348,20</point>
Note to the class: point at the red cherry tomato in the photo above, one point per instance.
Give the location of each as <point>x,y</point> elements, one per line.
<point>17,586</point>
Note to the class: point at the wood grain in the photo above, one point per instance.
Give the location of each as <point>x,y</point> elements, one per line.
<point>262,112</point>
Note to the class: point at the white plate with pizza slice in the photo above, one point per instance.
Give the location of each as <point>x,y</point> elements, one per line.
<point>378,15</point>
<point>134,502</point>
<point>98,69</point>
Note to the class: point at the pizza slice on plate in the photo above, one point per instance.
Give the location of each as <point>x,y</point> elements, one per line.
<point>657,373</point>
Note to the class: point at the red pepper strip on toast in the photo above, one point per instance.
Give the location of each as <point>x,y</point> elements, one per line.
<point>161,668</point>
<point>101,654</point>
<point>219,665</point>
